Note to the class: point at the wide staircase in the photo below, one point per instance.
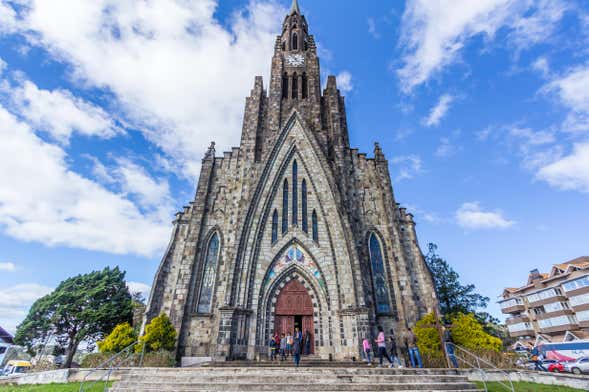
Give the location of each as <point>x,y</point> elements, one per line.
<point>326,378</point>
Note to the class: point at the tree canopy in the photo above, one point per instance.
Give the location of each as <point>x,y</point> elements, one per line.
<point>81,308</point>
<point>159,334</point>
<point>452,295</point>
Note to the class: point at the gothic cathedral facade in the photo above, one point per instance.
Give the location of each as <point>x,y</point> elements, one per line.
<point>293,228</point>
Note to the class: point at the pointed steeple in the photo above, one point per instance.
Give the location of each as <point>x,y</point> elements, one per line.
<point>295,7</point>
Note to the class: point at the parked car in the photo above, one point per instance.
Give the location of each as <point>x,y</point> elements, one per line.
<point>15,367</point>
<point>556,367</point>
<point>579,366</point>
<point>546,363</point>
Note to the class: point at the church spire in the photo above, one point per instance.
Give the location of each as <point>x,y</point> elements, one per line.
<point>295,7</point>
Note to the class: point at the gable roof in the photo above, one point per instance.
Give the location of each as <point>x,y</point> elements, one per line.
<point>5,336</point>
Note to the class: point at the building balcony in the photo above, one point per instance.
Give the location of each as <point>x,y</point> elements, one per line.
<point>556,313</point>
<point>545,297</point>
<point>512,305</point>
<point>521,318</point>
<point>520,329</point>
<point>558,324</point>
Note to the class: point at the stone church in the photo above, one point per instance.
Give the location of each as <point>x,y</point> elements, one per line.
<point>293,228</point>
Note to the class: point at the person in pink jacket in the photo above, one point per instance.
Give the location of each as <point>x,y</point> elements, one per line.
<point>366,349</point>
<point>381,342</point>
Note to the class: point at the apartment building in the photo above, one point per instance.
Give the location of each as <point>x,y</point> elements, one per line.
<point>550,304</point>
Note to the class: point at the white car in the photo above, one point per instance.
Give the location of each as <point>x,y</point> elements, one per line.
<point>580,366</point>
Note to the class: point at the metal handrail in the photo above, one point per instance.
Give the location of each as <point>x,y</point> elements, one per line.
<point>479,360</point>
<point>110,365</point>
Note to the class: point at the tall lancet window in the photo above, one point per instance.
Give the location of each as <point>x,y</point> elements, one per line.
<point>304,85</point>
<point>275,226</point>
<point>381,293</point>
<point>284,85</point>
<point>295,41</point>
<point>295,194</point>
<point>207,285</point>
<point>305,224</point>
<point>285,206</point>
<point>295,86</point>
<point>314,226</point>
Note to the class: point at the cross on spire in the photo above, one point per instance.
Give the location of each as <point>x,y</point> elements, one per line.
<point>295,7</point>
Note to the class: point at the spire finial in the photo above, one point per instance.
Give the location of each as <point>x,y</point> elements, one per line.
<point>295,7</point>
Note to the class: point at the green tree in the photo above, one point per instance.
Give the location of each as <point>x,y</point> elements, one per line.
<point>121,337</point>
<point>81,308</point>
<point>452,295</point>
<point>428,337</point>
<point>159,334</point>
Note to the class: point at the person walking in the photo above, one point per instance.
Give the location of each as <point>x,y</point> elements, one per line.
<point>537,358</point>
<point>307,341</point>
<point>382,347</point>
<point>282,347</point>
<point>296,348</point>
<point>414,355</point>
<point>393,352</point>
<point>450,347</point>
<point>366,350</point>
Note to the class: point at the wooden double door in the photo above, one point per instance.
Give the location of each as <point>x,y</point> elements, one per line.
<point>294,309</point>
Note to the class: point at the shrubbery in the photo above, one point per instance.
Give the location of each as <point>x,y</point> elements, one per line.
<point>121,337</point>
<point>159,335</point>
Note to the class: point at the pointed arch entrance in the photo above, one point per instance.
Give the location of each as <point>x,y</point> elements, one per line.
<point>294,309</point>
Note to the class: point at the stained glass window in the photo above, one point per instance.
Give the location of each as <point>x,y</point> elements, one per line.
<point>295,42</point>
<point>314,226</point>
<point>381,293</point>
<point>275,226</point>
<point>205,298</point>
<point>305,224</point>
<point>285,206</point>
<point>295,194</point>
<point>295,86</point>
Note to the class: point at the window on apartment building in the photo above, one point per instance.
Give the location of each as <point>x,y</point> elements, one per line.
<point>519,327</point>
<point>576,284</point>
<point>556,306</point>
<point>557,321</point>
<point>510,302</point>
<point>544,294</point>
<point>579,299</point>
<point>583,316</point>
<point>539,310</point>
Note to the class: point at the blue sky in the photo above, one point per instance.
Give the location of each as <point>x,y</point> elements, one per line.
<point>106,108</point>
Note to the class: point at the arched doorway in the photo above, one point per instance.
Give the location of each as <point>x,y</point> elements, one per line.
<point>294,309</point>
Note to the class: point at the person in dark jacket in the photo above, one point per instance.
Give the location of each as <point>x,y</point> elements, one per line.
<point>307,341</point>
<point>296,351</point>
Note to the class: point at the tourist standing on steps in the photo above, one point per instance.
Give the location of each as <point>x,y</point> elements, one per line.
<point>450,347</point>
<point>272,346</point>
<point>414,355</point>
<point>366,349</point>
<point>296,348</point>
<point>298,335</point>
<point>307,342</point>
<point>282,347</point>
<point>393,352</point>
<point>288,344</point>
<point>382,347</point>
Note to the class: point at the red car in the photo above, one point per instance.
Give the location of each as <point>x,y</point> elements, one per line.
<point>556,367</point>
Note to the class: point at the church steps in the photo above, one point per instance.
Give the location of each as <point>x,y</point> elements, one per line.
<point>290,379</point>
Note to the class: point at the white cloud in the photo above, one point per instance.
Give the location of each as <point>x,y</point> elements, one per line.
<point>434,32</point>
<point>541,65</point>
<point>573,91</point>
<point>43,200</point>
<point>445,148</point>
<point>471,216</point>
<point>372,28</point>
<point>2,65</point>
<point>438,111</point>
<point>408,166</point>
<point>174,76</point>
<point>570,172</point>
<point>58,112</point>
<point>344,82</point>
<point>8,22</point>
<point>137,182</point>
<point>139,287</point>
<point>16,300</point>
<point>7,266</point>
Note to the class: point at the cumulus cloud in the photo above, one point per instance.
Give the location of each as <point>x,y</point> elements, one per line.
<point>407,166</point>
<point>438,111</point>
<point>175,77</point>
<point>58,112</point>
<point>344,82</point>
<point>573,91</point>
<point>372,28</point>
<point>471,216</point>
<point>571,172</point>
<point>43,200</point>
<point>7,266</point>
<point>16,300</point>
<point>435,32</point>
<point>139,287</point>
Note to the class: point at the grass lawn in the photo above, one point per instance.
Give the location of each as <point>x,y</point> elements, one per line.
<point>70,387</point>
<point>525,387</point>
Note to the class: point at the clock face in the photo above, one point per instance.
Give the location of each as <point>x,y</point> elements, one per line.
<point>295,60</point>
